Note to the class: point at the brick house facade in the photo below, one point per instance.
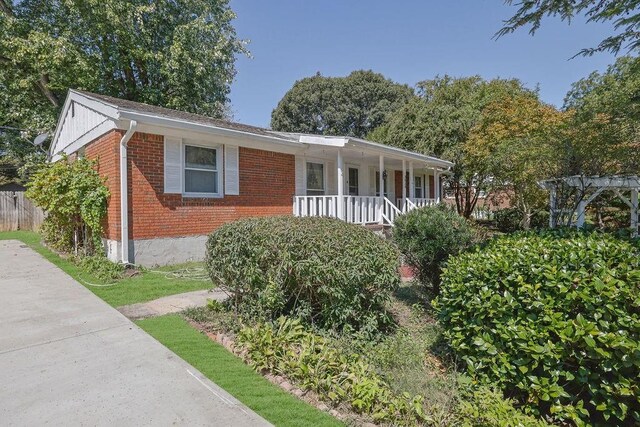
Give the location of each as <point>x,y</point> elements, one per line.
<point>186,175</point>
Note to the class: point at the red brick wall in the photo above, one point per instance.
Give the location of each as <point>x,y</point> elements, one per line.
<point>432,187</point>
<point>267,186</point>
<point>106,150</point>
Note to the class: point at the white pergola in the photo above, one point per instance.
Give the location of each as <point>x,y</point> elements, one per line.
<point>589,188</point>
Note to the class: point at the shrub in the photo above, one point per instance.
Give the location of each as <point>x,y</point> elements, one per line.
<point>553,319</point>
<point>331,274</point>
<point>509,220</point>
<point>75,198</point>
<point>100,267</point>
<point>484,407</point>
<point>428,236</point>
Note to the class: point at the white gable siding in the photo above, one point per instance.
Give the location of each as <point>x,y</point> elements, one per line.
<point>79,126</point>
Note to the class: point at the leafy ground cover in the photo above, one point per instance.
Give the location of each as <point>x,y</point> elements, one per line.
<point>404,377</point>
<point>145,285</point>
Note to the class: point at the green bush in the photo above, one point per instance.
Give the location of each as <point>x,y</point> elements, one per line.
<point>101,267</point>
<point>553,319</point>
<point>509,220</point>
<point>331,274</point>
<point>428,236</point>
<point>74,196</point>
<point>484,407</point>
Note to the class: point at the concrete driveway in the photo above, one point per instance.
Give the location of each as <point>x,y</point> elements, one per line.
<point>68,358</point>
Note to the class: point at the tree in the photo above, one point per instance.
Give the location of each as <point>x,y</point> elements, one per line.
<point>438,123</point>
<point>517,142</point>
<point>625,15</point>
<point>606,121</point>
<point>174,53</point>
<point>350,106</point>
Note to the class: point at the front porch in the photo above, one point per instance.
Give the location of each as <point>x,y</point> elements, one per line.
<point>345,181</point>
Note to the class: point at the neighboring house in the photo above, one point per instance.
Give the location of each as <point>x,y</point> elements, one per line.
<point>174,177</point>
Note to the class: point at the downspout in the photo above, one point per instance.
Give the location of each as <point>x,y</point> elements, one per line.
<point>124,193</point>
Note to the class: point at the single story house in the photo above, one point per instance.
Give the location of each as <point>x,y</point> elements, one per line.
<point>174,177</point>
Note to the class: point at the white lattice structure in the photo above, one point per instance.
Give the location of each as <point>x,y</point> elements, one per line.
<point>588,189</point>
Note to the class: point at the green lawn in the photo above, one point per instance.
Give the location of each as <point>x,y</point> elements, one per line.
<point>143,287</point>
<point>230,373</point>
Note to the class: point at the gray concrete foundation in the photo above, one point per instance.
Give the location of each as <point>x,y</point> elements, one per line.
<point>160,251</point>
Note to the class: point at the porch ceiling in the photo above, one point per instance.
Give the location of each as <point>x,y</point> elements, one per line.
<point>363,157</point>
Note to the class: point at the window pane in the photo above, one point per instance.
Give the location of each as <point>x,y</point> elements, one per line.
<point>418,186</point>
<point>200,157</point>
<point>315,177</point>
<point>200,181</point>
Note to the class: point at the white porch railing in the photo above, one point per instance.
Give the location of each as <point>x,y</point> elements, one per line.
<point>356,209</point>
<point>414,203</point>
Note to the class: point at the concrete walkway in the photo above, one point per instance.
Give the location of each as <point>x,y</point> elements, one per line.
<point>68,358</point>
<point>170,304</point>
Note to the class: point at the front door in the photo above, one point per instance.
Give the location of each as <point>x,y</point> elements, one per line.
<point>352,183</point>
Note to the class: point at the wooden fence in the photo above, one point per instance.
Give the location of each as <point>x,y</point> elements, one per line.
<point>18,213</point>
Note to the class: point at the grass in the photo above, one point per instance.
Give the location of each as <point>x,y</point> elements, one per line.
<point>230,373</point>
<point>145,286</point>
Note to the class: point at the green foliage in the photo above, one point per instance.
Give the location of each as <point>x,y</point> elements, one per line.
<point>352,105</point>
<point>439,123</point>
<point>286,348</point>
<point>75,198</point>
<point>605,121</point>
<point>100,267</point>
<point>485,407</point>
<point>428,236</point>
<point>332,274</point>
<point>552,319</point>
<point>623,14</point>
<point>509,220</point>
<point>174,53</point>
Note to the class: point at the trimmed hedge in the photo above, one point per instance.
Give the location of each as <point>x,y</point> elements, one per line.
<point>428,236</point>
<point>329,273</point>
<point>554,320</point>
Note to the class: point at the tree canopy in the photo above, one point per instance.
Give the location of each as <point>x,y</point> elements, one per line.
<point>624,14</point>
<point>352,105</point>
<point>606,121</point>
<point>517,143</point>
<point>174,53</point>
<point>439,121</point>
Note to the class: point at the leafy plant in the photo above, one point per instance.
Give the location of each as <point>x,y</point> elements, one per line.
<point>509,220</point>
<point>286,348</point>
<point>100,267</point>
<point>553,319</point>
<point>331,274</point>
<point>75,198</point>
<point>428,236</point>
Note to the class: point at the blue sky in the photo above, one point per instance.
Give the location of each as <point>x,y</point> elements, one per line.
<point>407,41</point>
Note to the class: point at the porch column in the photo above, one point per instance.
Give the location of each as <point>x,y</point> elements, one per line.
<point>436,184</point>
<point>412,183</point>
<point>634,212</point>
<point>381,182</point>
<point>340,210</point>
<point>404,185</point>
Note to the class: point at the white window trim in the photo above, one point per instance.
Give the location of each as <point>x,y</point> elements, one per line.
<point>219,170</point>
<point>421,187</point>
<point>357,166</point>
<point>325,186</point>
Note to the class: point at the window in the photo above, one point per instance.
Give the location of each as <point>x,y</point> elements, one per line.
<point>315,179</point>
<point>418,186</point>
<point>353,181</point>
<point>201,175</point>
<point>386,187</point>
